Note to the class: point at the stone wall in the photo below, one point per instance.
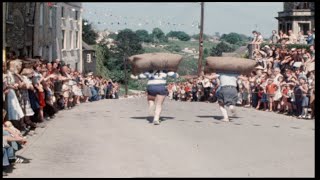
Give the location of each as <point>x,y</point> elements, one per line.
<point>19,27</point>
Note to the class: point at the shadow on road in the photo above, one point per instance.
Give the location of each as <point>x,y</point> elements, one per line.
<point>216,117</point>
<point>150,118</point>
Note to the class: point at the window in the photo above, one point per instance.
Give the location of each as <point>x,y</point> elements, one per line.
<point>289,27</point>
<point>50,17</point>
<point>77,39</point>
<point>304,27</point>
<point>281,27</point>
<point>40,51</point>
<point>63,39</point>
<point>9,11</point>
<point>28,6</point>
<point>62,11</point>
<point>76,15</point>
<point>41,14</point>
<point>70,40</point>
<point>305,5</point>
<point>29,51</point>
<point>89,58</point>
<point>50,52</point>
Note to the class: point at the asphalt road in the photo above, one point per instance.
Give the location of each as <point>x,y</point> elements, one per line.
<point>112,138</point>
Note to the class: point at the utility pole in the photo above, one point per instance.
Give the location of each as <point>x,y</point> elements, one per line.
<point>201,41</point>
<point>125,75</point>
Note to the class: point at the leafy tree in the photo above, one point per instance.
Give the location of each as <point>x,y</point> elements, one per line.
<point>204,37</point>
<point>127,44</point>
<point>235,38</point>
<point>232,38</point>
<point>102,57</point>
<point>144,35</point>
<point>112,35</point>
<point>220,48</point>
<point>182,36</point>
<point>158,35</point>
<point>88,34</point>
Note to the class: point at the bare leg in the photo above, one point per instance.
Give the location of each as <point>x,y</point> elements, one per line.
<point>159,102</point>
<point>224,112</point>
<point>233,110</point>
<point>151,107</point>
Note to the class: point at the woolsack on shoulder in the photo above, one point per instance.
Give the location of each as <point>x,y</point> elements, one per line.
<point>229,65</point>
<point>154,61</point>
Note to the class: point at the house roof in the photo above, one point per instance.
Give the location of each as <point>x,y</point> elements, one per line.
<point>85,46</point>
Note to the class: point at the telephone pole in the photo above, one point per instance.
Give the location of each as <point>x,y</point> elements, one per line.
<point>125,75</point>
<point>201,40</point>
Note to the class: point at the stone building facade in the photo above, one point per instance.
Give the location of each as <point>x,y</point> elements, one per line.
<point>46,29</point>
<point>89,58</point>
<point>19,23</point>
<point>45,33</point>
<point>69,34</point>
<point>296,16</point>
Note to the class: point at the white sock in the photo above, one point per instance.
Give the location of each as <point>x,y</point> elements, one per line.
<point>156,118</point>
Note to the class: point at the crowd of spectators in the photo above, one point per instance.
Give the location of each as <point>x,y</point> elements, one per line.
<point>283,80</point>
<point>35,90</point>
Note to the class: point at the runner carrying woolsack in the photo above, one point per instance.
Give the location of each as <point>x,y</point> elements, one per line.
<point>157,90</point>
<point>227,93</point>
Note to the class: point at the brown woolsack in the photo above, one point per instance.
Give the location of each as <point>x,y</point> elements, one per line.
<point>229,65</point>
<point>154,61</point>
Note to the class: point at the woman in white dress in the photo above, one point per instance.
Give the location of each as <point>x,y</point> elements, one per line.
<point>15,112</point>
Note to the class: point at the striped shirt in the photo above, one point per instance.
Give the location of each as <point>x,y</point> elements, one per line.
<point>157,78</point>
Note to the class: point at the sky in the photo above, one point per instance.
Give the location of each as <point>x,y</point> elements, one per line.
<point>222,17</point>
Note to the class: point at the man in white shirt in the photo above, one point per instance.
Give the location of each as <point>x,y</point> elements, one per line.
<point>227,93</point>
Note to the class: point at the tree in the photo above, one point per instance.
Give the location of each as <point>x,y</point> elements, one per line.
<point>235,38</point>
<point>144,35</point>
<point>232,38</point>
<point>102,58</point>
<point>182,36</point>
<point>220,48</point>
<point>112,35</point>
<point>204,37</point>
<point>127,44</point>
<point>158,35</point>
<point>88,34</point>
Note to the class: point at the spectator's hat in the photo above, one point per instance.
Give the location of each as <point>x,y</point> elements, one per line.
<point>293,49</point>
<point>90,73</point>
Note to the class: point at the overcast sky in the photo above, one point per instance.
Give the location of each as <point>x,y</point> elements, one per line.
<point>222,17</point>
